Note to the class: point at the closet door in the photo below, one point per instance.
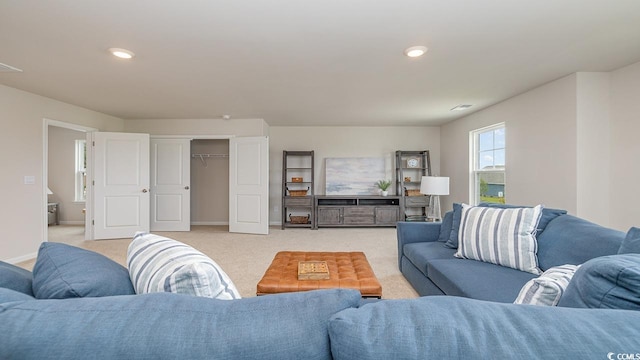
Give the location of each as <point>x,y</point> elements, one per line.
<point>170,185</point>
<point>249,185</point>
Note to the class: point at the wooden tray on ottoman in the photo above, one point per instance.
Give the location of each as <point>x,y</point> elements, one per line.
<point>313,270</point>
<point>346,270</point>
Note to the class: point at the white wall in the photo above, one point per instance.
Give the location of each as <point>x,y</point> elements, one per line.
<point>23,222</point>
<point>625,147</point>
<point>541,147</point>
<point>593,142</point>
<point>571,144</point>
<point>343,141</point>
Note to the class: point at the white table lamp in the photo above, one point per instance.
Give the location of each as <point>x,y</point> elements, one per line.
<point>434,186</point>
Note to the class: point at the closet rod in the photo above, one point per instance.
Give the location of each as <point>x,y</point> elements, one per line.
<point>202,156</point>
<point>208,155</point>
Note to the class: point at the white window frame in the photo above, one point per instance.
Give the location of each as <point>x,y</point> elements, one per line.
<point>474,160</point>
<point>80,171</point>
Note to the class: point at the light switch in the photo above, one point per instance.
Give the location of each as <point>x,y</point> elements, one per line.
<point>29,180</point>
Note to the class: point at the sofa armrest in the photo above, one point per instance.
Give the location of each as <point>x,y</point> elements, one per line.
<point>412,232</point>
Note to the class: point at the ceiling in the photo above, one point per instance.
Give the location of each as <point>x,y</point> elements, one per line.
<point>307,62</point>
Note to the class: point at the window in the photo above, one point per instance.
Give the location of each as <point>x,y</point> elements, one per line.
<point>81,170</point>
<point>488,164</point>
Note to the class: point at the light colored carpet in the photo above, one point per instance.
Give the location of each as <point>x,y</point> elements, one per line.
<point>245,257</point>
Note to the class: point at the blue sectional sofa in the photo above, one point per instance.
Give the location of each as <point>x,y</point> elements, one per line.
<point>426,255</point>
<point>81,305</point>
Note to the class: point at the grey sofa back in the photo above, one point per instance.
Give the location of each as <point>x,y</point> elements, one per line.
<point>571,240</point>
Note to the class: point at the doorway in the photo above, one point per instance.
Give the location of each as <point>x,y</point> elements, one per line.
<point>210,182</point>
<point>64,210</point>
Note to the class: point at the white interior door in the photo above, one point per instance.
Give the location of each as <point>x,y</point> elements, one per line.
<point>170,185</point>
<point>249,185</point>
<point>120,204</point>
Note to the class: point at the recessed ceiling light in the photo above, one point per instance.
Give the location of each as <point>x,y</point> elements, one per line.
<point>122,53</point>
<point>415,51</point>
<point>461,107</point>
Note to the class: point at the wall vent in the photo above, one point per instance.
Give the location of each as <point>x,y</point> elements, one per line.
<point>8,68</point>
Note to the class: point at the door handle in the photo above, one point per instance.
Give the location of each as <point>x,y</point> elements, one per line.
<point>144,190</point>
<point>186,187</point>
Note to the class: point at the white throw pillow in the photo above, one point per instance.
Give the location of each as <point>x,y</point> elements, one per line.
<point>160,264</point>
<point>500,236</point>
<point>548,288</point>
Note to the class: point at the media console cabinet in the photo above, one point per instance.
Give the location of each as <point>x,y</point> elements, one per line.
<point>352,211</point>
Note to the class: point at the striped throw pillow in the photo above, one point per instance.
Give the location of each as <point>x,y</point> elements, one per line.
<point>500,236</point>
<point>160,264</point>
<point>548,288</point>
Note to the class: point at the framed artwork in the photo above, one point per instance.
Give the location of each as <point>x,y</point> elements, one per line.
<point>413,162</point>
<point>353,176</point>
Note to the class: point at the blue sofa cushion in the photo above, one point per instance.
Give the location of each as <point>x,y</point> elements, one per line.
<point>421,253</point>
<point>445,228</point>
<point>15,278</point>
<point>8,295</point>
<point>631,242</point>
<point>610,282</point>
<point>452,242</point>
<point>173,326</point>
<point>571,240</point>
<point>477,279</point>
<point>446,327</point>
<point>64,271</point>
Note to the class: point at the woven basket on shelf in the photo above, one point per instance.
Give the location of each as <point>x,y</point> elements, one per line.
<point>298,192</point>
<point>299,219</point>
<point>412,192</point>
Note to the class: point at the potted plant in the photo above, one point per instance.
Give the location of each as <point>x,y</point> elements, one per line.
<point>383,185</point>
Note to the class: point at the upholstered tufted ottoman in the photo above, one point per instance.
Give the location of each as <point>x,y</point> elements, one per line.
<point>346,270</point>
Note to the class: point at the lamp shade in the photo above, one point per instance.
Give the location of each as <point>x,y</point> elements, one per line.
<point>434,185</point>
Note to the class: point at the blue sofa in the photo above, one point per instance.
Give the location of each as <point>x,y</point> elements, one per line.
<point>425,255</point>
<point>80,305</point>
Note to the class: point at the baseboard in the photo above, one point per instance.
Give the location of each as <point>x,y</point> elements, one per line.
<point>216,223</point>
<point>22,258</point>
